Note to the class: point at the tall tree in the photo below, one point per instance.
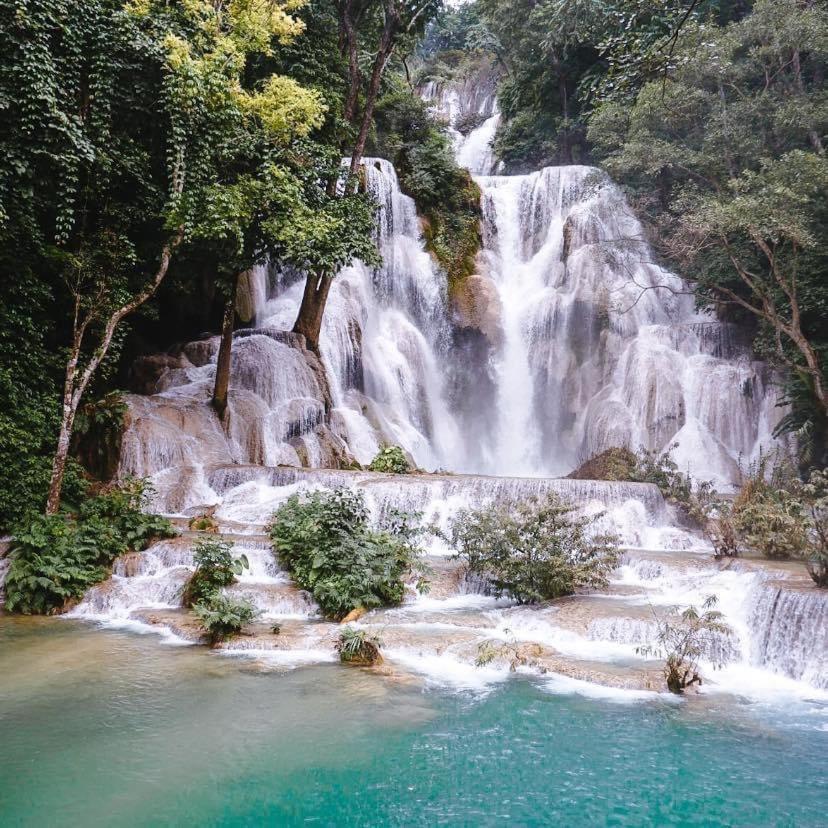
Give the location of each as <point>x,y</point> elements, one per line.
<point>117,113</point>
<point>387,22</point>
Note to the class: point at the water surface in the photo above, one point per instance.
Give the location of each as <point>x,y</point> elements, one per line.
<point>103,727</point>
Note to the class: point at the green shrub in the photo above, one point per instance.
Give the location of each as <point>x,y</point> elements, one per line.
<point>359,648</point>
<point>643,466</point>
<point>325,541</point>
<point>534,551</point>
<point>203,523</point>
<point>223,617</point>
<point>390,459</point>
<point>215,567</point>
<point>682,644</point>
<point>56,558</point>
<point>785,518</point>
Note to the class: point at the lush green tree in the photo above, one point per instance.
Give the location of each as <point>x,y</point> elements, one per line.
<point>534,551</point>
<point>135,129</point>
<point>385,25</point>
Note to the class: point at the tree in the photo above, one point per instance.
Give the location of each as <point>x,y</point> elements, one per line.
<point>725,156</point>
<point>390,21</point>
<point>535,550</point>
<point>682,644</point>
<point>128,113</point>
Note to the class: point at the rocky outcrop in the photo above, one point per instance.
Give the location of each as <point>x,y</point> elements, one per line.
<point>154,373</point>
<point>476,304</point>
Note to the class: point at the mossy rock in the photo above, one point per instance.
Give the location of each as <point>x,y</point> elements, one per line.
<point>616,463</point>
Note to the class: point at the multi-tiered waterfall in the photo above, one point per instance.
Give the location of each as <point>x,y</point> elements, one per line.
<point>581,341</point>
<point>591,345</point>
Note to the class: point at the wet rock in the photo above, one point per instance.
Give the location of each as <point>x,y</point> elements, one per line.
<point>202,351</point>
<point>354,615</point>
<point>477,305</point>
<point>148,372</point>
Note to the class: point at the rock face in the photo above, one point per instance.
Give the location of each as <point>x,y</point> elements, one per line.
<point>279,408</point>
<point>477,305</point>
<point>155,373</point>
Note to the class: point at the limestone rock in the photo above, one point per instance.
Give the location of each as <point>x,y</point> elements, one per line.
<point>148,372</point>
<point>201,351</point>
<point>477,305</point>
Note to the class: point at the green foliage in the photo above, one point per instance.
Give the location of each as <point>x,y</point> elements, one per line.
<point>123,123</point>
<point>614,463</point>
<point>223,617</point>
<point>390,459</point>
<point>534,551</point>
<point>107,414</point>
<point>784,517</point>
<point>682,644</point>
<point>643,466</point>
<point>358,647</point>
<point>446,196</point>
<point>325,541</point>
<point>215,568</point>
<point>660,468</point>
<point>56,558</point>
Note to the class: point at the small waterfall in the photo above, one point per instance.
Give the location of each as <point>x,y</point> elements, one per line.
<point>789,631</point>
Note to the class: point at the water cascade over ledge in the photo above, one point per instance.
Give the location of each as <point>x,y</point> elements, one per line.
<point>581,341</point>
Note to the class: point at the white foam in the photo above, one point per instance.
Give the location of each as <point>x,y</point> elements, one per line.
<point>566,686</point>
<point>447,670</point>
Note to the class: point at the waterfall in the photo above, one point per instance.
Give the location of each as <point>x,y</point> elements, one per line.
<point>587,343</point>
<point>601,345</point>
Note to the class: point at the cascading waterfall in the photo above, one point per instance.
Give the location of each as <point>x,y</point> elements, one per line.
<point>601,346</point>
<point>591,344</point>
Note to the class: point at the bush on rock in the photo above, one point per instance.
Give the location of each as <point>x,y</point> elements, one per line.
<point>326,542</point>
<point>534,551</point>
<point>391,459</point>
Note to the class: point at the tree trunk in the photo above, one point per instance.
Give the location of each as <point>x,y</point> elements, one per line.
<point>225,352</point>
<point>75,386</point>
<point>813,135</point>
<point>309,320</point>
<point>59,462</point>
<point>386,46</point>
<point>349,36</point>
<point>566,144</point>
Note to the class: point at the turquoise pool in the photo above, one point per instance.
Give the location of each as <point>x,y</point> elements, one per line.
<point>103,727</point>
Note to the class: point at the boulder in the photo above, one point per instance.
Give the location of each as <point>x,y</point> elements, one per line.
<point>147,372</point>
<point>477,305</point>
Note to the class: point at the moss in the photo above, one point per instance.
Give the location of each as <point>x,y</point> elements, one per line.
<point>615,463</point>
<point>453,238</point>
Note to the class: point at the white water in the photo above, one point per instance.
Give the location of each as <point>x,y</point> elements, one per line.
<point>590,354</point>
